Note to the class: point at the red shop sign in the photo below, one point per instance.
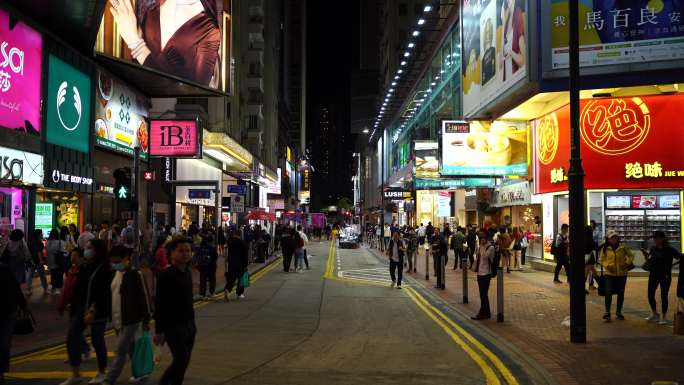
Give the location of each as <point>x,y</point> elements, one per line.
<point>627,143</point>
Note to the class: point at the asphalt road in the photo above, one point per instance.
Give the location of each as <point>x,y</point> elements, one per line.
<point>338,323</point>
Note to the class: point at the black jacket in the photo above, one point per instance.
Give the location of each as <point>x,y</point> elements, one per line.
<point>135,299</point>
<point>401,248</point>
<point>662,260</point>
<point>237,255</point>
<point>173,304</point>
<point>12,297</point>
<point>93,288</point>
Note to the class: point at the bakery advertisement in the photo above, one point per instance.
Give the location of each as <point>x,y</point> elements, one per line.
<point>120,116</point>
<point>427,159</point>
<point>497,148</point>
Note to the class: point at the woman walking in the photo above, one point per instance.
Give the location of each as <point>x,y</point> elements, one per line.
<point>617,260</point>
<point>590,247</point>
<point>37,264</point>
<point>659,264</point>
<point>11,300</point>
<point>55,253</point>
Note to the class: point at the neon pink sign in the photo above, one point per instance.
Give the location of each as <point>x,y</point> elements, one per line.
<point>20,73</point>
<point>174,138</point>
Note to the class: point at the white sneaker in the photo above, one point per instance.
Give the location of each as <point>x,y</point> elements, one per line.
<point>72,381</point>
<point>58,292</point>
<point>392,286</point>
<point>663,320</point>
<point>98,379</point>
<point>653,317</point>
<point>140,380</point>
<point>241,296</point>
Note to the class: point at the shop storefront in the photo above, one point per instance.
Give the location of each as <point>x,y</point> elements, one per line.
<point>20,172</point>
<point>196,204</point>
<point>440,207</point>
<point>517,210</point>
<point>67,193</point>
<point>401,203</point>
<point>633,163</point>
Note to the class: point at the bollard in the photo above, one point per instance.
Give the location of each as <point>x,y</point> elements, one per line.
<point>465,283</point>
<point>499,295</point>
<point>442,271</point>
<point>427,265</point>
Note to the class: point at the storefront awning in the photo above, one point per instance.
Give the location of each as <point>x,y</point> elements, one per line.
<point>154,83</point>
<point>227,150</point>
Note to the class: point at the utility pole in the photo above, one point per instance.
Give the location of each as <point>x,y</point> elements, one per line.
<point>135,187</point>
<point>578,315</point>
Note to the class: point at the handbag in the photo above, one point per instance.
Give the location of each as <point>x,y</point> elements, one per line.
<point>244,280</point>
<point>648,264</point>
<point>142,362</point>
<point>25,323</point>
<point>601,281</point>
<point>679,318</point>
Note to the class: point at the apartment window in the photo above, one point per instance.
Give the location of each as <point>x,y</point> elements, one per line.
<point>402,9</point>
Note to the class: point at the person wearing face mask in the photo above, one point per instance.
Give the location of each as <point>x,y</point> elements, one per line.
<point>174,314</point>
<point>90,305</point>
<point>76,257</point>
<point>131,309</point>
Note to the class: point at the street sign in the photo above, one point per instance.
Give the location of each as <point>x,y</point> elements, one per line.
<point>237,204</point>
<point>237,189</point>
<point>199,194</point>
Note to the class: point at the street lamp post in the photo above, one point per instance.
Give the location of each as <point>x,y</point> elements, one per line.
<point>578,321</point>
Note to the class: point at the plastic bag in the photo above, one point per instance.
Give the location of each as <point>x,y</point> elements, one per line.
<point>244,280</point>
<point>143,356</point>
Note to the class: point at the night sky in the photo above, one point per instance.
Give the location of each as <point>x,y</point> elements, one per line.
<point>330,56</point>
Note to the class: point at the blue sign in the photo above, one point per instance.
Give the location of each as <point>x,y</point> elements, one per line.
<point>237,189</point>
<point>199,194</point>
<point>426,184</point>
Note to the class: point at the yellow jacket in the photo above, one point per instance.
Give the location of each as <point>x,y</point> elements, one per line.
<point>616,262</point>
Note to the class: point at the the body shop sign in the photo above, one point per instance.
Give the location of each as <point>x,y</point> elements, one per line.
<point>20,74</point>
<point>627,143</point>
<point>175,138</point>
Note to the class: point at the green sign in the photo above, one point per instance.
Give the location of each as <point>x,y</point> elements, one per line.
<point>44,216</point>
<point>68,106</point>
<point>437,184</point>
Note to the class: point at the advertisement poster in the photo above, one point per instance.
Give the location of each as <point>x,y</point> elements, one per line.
<point>120,116</point>
<point>175,139</point>
<point>668,202</point>
<point>644,202</point>
<point>619,136</point>
<point>275,187</point>
<point>20,75</point>
<point>440,184</point>
<point>68,106</point>
<point>44,216</point>
<point>617,201</point>
<point>191,44</point>
<point>494,49</point>
<point>484,148</point>
<point>443,204</point>
<point>427,159</point>
<point>614,32</point>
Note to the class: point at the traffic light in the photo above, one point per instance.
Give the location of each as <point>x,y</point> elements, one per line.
<point>148,175</point>
<point>122,184</point>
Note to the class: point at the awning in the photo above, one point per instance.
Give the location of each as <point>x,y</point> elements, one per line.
<point>227,150</point>
<point>154,83</point>
<point>404,175</point>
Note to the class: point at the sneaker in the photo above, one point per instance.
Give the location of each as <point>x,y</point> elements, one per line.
<point>620,317</point>
<point>557,281</point>
<point>653,317</point>
<point>57,292</point>
<point>241,296</point>
<point>606,317</point>
<point>225,295</point>
<point>398,286</point>
<point>392,285</point>
<point>72,381</point>
<point>98,379</point>
<point>140,380</point>
<point>663,321</point>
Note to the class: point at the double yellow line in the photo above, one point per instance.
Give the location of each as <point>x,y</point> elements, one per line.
<point>492,367</point>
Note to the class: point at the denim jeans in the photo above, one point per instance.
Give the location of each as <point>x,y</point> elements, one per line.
<point>30,273</point>
<point>397,267</point>
<point>124,349</point>
<point>299,259</point>
<point>75,340</point>
<point>6,331</point>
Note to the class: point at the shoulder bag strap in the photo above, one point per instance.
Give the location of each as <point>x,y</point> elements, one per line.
<point>147,293</point>
<point>90,284</point>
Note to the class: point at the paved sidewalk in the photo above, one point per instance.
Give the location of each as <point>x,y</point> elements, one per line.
<point>51,328</point>
<point>535,307</point>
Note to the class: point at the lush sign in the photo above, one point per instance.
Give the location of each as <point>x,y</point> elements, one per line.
<point>68,106</point>
<point>20,74</point>
<point>627,143</point>
<point>120,116</point>
<point>175,138</point>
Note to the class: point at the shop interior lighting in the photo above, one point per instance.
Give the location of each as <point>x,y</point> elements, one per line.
<point>421,21</point>
<point>415,33</point>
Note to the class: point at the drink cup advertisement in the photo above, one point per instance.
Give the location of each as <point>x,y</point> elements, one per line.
<point>120,116</point>
<point>497,148</point>
<point>20,75</point>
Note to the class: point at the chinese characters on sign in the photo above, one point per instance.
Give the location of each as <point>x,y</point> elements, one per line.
<point>174,138</point>
<point>558,175</point>
<point>650,170</point>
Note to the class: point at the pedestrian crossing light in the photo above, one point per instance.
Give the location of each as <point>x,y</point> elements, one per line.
<point>122,184</point>
<point>123,193</point>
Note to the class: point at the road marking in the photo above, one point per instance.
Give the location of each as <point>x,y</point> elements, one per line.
<point>52,375</point>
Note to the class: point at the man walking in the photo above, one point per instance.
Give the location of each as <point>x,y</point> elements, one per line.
<point>560,253</point>
<point>288,247</point>
<point>395,252</point>
<point>484,260</point>
<point>237,265</point>
<point>174,313</point>
<point>85,236</point>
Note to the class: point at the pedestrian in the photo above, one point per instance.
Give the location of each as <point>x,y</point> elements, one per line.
<point>387,234</point>
<point>128,238</point>
<point>524,244</point>
<point>174,313</point>
<point>237,264</point>
<point>85,236</point>
<point>617,260</point>
<point>105,232</point>
<point>16,255</point>
<point>411,248</point>
<point>221,240</point>
<point>11,301</point>
<point>505,244</point>
<point>559,250</point>
<point>36,248</point>
<point>90,305</point>
<point>659,261</point>
<point>299,252</point>
<point>288,247</point>
<point>114,237</point>
<point>76,257</point>
<point>459,246</point>
<point>590,247</point>
<point>472,241</point>
<point>429,232</point>
<point>484,269</point>
<point>71,237</point>
<point>205,261</point>
<point>131,309</point>
<point>395,252</point>
<point>55,254</point>
<point>439,258</point>
<point>516,252</point>
<point>306,241</point>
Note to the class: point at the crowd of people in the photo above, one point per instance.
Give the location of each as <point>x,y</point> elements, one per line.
<point>113,276</point>
<point>485,250</point>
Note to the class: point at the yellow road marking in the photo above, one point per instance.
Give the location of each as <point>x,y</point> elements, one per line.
<point>508,376</point>
<point>487,370</point>
<point>53,375</point>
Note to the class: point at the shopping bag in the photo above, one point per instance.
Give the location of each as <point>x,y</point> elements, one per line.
<point>143,356</point>
<point>679,318</point>
<point>244,280</point>
<point>601,281</point>
<point>25,323</point>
